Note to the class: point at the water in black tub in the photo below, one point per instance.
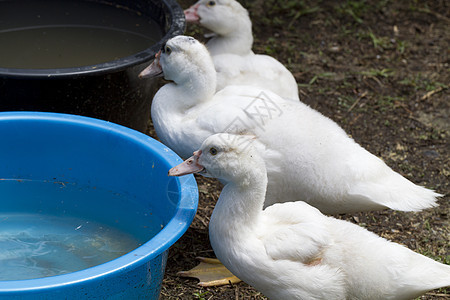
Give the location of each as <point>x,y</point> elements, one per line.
<point>52,34</point>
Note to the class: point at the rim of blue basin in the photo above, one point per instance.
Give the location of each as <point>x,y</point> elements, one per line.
<point>162,241</point>
<point>177,27</point>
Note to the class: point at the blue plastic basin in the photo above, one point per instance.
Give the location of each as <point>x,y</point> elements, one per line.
<point>93,154</point>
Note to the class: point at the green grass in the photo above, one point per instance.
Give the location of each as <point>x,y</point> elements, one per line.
<point>321,75</point>
<point>422,82</point>
<point>401,46</point>
<point>355,9</point>
<point>379,41</point>
<point>385,103</point>
<point>378,73</point>
<point>382,43</point>
<point>346,101</point>
<point>200,295</point>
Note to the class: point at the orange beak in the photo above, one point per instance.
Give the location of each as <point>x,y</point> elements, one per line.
<point>191,14</point>
<point>154,70</point>
<point>189,166</point>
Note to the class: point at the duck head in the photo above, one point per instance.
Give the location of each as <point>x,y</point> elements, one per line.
<point>220,16</point>
<point>181,58</point>
<point>229,157</point>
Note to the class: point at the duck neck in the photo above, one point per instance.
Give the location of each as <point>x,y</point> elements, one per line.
<point>197,88</point>
<point>241,202</point>
<point>238,42</point>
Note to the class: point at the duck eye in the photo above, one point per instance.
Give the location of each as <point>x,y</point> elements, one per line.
<point>166,49</point>
<point>213,151</point>
<point>211,3</point>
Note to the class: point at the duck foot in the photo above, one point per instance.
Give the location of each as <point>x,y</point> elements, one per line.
<point>210,272</point>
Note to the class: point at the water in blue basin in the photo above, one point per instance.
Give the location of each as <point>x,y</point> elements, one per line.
<point>37,245</point>
<point>51,228</point>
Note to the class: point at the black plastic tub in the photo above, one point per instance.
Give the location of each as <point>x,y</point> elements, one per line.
<point>108,90</point>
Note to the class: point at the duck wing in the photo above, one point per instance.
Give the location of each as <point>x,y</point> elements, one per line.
<point>294,232</point>
<point>255,70</point>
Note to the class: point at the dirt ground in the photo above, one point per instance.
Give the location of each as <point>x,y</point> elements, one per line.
<point>380,69</point>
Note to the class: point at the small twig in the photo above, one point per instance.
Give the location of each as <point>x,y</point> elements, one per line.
<point>357,101</point>
<point>410,113</point>
<point>431,93</point>
<point>369,84</point>
<point>302,92</point>
<point>377,80</point>
<point>202,220</point>
<point>403,105</point>
<point>437,295</point>
<point>437,15</point>
<point>419,121</point>
<point>354,119</point>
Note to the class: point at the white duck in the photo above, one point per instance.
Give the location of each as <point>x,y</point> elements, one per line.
<point>308,156</point>
<point>231,49</point>
<point>290,250</point>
